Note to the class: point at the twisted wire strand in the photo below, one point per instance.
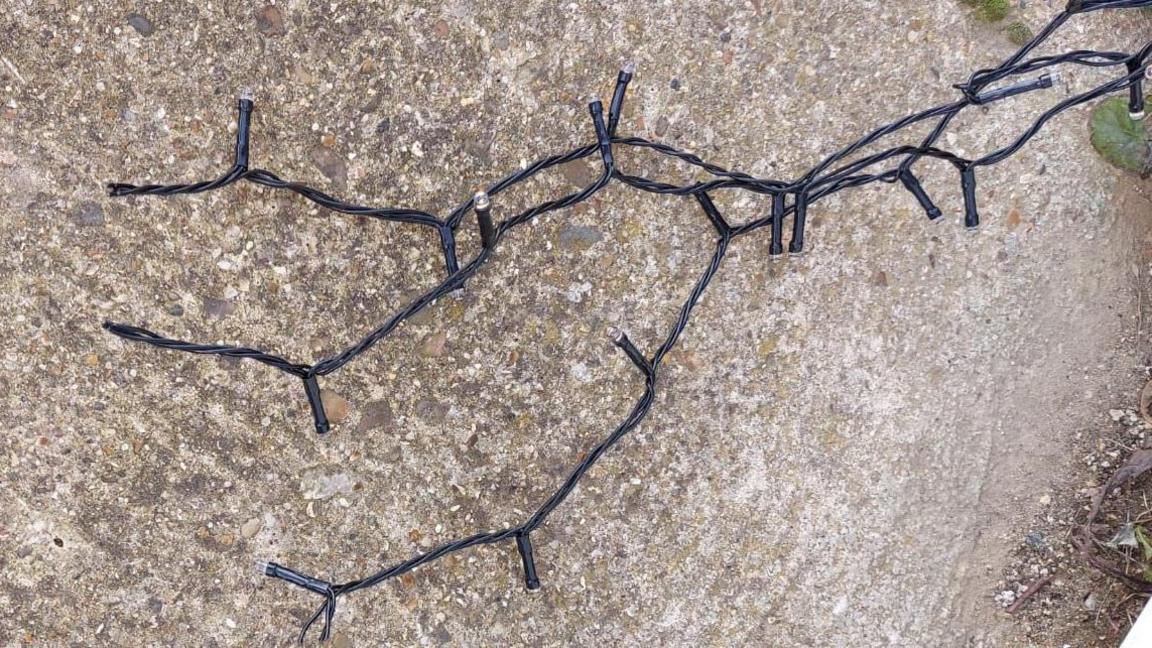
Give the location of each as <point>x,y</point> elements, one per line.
<point>138,334</point>
<point>269,179</point>
<point>841,170</point>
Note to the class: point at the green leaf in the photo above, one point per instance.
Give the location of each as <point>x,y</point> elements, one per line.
<point>1145,543</point>
<point>1118,139</point>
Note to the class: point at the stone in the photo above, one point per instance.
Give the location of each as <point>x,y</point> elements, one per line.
<point>142,25</point>
<point>377,415</point>
<point>579,237</point>
<point>579,172</point>
<point>331,164</point>
<point>1091,602</point>
<point>662,126</point>
<point>1013,220</point>
<point>89,214</point>
<point>767,346</point>
<point>218,308</point>
<point>318,486</point>
<point>250,528</point>
<point>270,21</point>
<point>434,345</point>
<point>335,406</point>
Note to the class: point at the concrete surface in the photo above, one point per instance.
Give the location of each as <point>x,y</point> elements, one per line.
<point>844,444</point>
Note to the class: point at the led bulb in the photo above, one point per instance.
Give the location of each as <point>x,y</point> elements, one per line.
<point>481,200</point>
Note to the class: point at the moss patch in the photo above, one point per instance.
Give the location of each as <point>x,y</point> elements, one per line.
<point>991,10</point>
<point>995,10</point>
<point>1018,33</point>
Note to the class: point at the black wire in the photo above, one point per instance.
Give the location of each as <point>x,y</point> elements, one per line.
<point>839,171</point>
<point>137,334</point>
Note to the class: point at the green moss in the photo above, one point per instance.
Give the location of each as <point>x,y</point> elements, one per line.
<point>994,10</point>
<point>990,10</point>
<point>1018,33</point>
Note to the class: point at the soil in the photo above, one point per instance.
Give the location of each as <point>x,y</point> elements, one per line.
<point>1077,605</point>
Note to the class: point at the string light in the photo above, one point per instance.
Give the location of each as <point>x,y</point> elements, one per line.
<point>839,171</point>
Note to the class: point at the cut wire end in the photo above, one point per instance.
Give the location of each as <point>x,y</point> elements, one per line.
<point>246,94</point>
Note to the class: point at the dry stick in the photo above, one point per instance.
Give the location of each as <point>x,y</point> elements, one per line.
<point>1137,465</point>
<point>1028,593</point>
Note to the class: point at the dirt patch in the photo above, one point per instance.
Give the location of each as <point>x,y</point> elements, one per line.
<point>1075,604</point>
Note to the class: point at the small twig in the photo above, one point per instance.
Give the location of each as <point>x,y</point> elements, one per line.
<point>1132,595</point>
<point>1112,623</point>
<point>1127,448</point>
<point>1028,593</point>
<point>13,70</point>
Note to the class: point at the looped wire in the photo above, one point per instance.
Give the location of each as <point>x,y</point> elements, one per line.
<point>842,170</point>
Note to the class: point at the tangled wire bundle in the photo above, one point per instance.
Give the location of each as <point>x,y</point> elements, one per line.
<point>790,200</point>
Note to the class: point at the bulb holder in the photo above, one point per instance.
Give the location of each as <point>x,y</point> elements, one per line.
<point>968,185</point>
<point>316,403</point>
<point>776,245</point>
<point>912,184</point>
<point>524,546</point>
<point>244,107</point>
<point>799,220</point>
<point>482,205</point>
<point>616,107</point>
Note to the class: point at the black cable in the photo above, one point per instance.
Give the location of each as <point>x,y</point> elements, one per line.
<point>837,172</point>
